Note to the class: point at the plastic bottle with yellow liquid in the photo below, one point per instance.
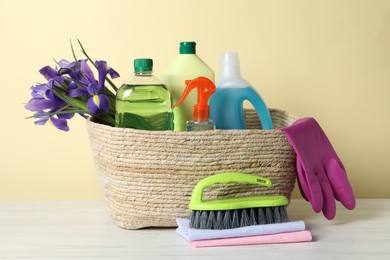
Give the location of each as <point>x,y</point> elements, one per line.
<point>144,102</point>
<point>186,66</point>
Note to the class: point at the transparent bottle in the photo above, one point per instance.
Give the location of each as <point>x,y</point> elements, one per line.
<point>144,102</point>
<point>192,125</point>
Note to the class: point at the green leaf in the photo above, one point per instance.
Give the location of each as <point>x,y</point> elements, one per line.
<point>105,119</point>
<point>64,112</point>
<point>74,55</point>
<point>77,103</point>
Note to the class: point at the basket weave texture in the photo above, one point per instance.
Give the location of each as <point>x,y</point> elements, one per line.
<point>148,176</point>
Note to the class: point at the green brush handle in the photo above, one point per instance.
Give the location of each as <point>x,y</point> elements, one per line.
<point>224,178</point>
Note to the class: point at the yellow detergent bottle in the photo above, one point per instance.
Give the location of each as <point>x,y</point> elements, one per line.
<point>185,66</point>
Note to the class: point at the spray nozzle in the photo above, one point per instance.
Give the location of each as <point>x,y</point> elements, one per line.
<point>205,89</point>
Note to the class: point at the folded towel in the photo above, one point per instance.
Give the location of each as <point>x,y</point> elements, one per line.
<point>292,237</point>
<point>191,234</point>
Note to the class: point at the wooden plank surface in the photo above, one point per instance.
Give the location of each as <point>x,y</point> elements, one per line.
<point>84,230</point>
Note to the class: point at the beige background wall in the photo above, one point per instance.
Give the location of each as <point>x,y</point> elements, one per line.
<point>325,59</point>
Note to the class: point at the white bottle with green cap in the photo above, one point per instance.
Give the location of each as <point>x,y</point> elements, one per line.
<point>144,102</point>
<point>186,66</point>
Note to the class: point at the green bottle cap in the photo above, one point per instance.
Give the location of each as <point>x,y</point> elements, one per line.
<point>141,65</point>
<point>187,48</point>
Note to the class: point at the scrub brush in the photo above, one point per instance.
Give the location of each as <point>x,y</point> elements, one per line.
<point>227,213</point>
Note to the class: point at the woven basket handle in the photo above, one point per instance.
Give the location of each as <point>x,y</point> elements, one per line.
<point>224,178</point>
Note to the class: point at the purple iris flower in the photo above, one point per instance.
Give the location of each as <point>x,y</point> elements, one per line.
<point>43,98</point>
<point>52,76</point>
<point>88,86</point>
<point>67,64</point>
<point>70,68</point>
<point>44,102</point>
<point>104,70</point>
<point>72,89</point>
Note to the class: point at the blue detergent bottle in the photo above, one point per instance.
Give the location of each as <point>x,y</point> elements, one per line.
<point>226,105</point>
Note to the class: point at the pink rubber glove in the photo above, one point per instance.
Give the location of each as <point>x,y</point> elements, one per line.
<point>321,174</point>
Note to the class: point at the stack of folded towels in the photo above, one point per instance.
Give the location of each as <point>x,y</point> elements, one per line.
<point>289,232</point>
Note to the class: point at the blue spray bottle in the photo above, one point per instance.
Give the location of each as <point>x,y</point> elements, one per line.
<point>226,105</point>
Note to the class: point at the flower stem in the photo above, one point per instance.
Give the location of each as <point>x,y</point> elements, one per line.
<point>74,55</point>
<point>59,113</point>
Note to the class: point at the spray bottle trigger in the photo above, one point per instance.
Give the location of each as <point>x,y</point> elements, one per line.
<point>205,89</point>
<point>186,91</point>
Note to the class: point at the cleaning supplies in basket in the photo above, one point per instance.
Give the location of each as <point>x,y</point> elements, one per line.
<point>201,115</point>
<point>321,175</point>
<point>187,65</point>
<point>144,102</point>
<point>185,158</point>
<point>226,105</point>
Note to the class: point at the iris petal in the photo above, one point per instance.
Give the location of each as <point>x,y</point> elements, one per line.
<point>92,107</point>
<point>72,85</point>
<point>49,95</point>
<point>56,81</point>
<point>104,103</point>
<point>63,71</point>
<point>102,70</point>
<point>40,104</point>
<point>113,74</point>
<point>93,89</point>
<point>65,63</point>
<point>39,90</point>
<point>86,70</point>
<point>97,104</point>
<point>76,75</point>
<point>84,116</point>
<point>65,116</point>
<point>41,121</point>
<point>77,92</point>
<point>48,72</point>
<point>59,123</point>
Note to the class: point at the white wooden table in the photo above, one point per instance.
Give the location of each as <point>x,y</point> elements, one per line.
<point>84,230</point>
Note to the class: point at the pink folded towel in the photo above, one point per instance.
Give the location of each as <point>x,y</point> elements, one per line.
<point>292,237</point>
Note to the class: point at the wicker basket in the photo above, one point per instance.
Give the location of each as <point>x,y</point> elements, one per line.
<point>148,176</point>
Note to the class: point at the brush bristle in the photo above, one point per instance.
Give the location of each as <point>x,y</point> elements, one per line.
<point>244,221</point>
<point>261,217</point>
<point>227,219</point>
<point>252,217</point>
<point>203,220</point>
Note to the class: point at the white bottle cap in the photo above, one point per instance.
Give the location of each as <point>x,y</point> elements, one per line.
<point>230,74</point>
<point>230,65</point>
